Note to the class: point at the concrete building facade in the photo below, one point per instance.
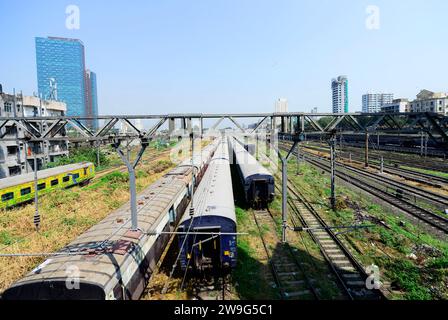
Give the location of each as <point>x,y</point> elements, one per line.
<point>428,101</point>
<point>397,105</point>
<point>281,105</point>
<point>16,156</point>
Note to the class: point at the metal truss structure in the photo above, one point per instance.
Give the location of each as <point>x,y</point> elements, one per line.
<point>291,126</point>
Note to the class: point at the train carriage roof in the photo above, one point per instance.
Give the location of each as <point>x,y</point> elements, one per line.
<point>248,164</point>
<point>214,196</point>
<point>42,174</point>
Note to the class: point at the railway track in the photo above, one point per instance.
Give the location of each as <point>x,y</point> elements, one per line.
<point>287,272</point>
<point>394,168</point>
<point>412,175</point>
<point>398,187</point>
<point>394,160</point>
<point>217,289</point>
<point>412,191</point>
<point>435,222</point>
<point>349,273</point>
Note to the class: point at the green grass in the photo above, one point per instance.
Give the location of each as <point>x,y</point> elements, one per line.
<point>408,278</point>
<point>6,238</point>
<point>248,275</point>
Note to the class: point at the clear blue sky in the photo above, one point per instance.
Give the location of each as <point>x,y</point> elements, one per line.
<point>234,55</point>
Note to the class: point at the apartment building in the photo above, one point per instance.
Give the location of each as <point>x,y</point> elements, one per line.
<point>17,156</point>
<point>428,101</point>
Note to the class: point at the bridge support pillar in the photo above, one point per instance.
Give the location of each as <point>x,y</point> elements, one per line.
<point>183,124</point>
<point>171,126</point>
<point>189,125</point>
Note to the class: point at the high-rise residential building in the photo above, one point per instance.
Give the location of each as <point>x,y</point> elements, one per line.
<point>372,102</point>
<point>428,101</point>
<point>91,98</point>
<point>62,75</point>
<point>281,105</point>
<point>339,89</point>
<point>16,156</point>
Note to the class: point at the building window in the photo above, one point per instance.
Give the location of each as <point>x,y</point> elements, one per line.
<point>54,182</point>
<point>7,107</point>
<point>25,191</point>
<point>41,186</point>
<point>12,150</point>
<point>8,196</point>
<point>14,171</point>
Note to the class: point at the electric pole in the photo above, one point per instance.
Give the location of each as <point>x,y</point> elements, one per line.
<point>333,171</point>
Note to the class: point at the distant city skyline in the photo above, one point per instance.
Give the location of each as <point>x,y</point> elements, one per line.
<point>235,56</point>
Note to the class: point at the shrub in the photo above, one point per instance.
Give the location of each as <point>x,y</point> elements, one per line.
<point>81,155</point>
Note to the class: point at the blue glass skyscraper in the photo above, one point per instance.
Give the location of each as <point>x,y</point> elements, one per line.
<point>92,98</point>
<point>63,60</point>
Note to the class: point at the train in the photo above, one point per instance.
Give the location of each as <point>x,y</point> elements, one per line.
<point>110,261</point>
<point>250,147</point>
<point>20,189</point>
<point>207,235</point>
<point>258,183</point>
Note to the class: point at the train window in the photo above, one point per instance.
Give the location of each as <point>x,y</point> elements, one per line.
<point>54,182</point>
<point>66,179</point>
<point>25,191</point>
<point>41,186</point>
<point>75,176</point>
<point>85,171</point>
<point>172,214</point>
<point>8,196</point>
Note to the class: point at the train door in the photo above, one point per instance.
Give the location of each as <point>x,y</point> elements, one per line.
<point>207,249</point>
<point>260,192</point>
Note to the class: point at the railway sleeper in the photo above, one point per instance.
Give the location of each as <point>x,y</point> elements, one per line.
<point>356,283</point>
<point>294,283</point>
<point>338,257</point>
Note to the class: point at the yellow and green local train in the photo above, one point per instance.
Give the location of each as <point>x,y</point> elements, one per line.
<point>20,189</point>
